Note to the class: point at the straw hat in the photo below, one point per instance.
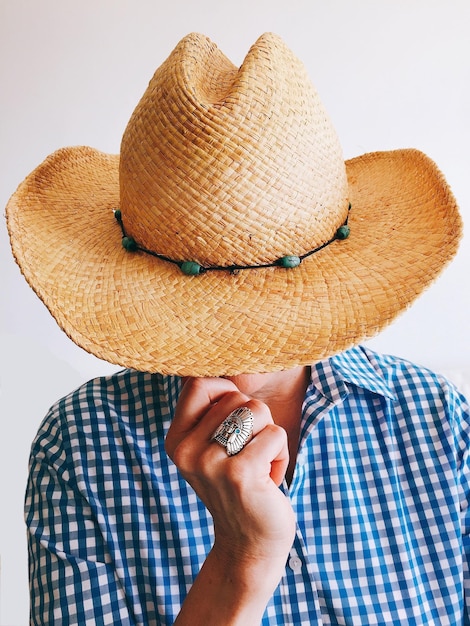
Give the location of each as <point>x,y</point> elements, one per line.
<point>221,168</point>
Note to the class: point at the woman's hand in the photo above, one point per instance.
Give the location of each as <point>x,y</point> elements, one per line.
<point>253,520</point>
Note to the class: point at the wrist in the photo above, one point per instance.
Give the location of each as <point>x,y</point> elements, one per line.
<point>253,574</point>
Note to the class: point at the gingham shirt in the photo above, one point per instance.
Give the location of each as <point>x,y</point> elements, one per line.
<point>380,492</point>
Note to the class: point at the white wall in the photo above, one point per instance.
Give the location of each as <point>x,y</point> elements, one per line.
<point>393,73</point>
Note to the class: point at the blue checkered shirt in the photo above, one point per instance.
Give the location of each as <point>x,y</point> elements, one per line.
<point>380,491</point>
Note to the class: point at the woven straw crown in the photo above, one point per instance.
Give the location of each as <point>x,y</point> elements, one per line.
<point>246,160</point>
<point>222,166</point>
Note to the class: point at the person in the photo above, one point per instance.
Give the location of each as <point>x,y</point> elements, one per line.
<point>253,463</point>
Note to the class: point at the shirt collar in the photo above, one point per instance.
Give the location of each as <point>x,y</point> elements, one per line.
<point>356,366</point>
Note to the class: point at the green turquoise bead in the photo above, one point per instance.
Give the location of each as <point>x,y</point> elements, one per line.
<point>191,268</point>
<point>289,261</point>
<point>129,244</point>
<point>343,232</point>
<point>118,215</point>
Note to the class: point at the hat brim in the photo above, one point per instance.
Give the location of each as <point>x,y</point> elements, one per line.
<point>138,311</point>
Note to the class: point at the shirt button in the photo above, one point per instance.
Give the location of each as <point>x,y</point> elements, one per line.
<point>295,564</point>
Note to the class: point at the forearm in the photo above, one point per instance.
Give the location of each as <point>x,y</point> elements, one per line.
<point>230,593</point>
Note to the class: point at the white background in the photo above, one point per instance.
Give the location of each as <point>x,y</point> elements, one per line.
<point>392,73</point>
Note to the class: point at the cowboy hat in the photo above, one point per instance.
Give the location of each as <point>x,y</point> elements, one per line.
<point>217,242</point>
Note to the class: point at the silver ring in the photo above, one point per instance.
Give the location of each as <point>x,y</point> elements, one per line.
<point>235,431</point>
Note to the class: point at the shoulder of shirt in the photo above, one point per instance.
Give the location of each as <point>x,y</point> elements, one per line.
<point>388,375</point>
<point>121,389</point>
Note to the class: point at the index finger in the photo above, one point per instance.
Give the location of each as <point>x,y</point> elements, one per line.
<point>197,397</point>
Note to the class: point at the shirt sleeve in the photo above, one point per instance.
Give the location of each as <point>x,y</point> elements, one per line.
<point>72,578</point>
<point>462,422</point>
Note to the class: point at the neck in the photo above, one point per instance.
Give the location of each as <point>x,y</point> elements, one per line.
<point>276,389</point>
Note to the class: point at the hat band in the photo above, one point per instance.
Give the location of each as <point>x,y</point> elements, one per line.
<point>192,268</point>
